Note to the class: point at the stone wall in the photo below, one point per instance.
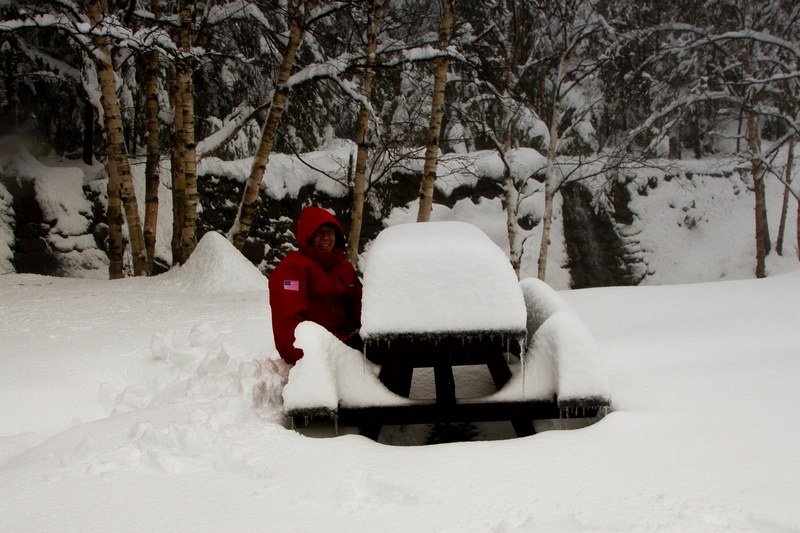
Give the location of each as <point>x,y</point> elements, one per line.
<point>601,244</point>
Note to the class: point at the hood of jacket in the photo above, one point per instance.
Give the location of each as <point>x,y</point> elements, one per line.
<point>311,218</point>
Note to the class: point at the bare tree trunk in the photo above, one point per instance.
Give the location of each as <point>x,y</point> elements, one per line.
<point>510,193</point>
<point>510,199</point>
<point>437,113</point>
<point>757,169</point>
<point>298,13</point>
<point>188,154</point>
<point>550,180</point>
<point>116,141</point>
<point>151,174</point>
<point>116,248</point>
<point>178,176</point>
<point>547,224</point>
<point>360,179</point>
<point>753,138</point>
<point>785,206</point>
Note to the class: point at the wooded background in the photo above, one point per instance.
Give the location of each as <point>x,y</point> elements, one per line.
<point>593,85</point>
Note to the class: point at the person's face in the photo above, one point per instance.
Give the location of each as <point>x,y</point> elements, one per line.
<point>324,238</point>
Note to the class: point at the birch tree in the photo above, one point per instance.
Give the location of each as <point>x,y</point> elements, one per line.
<point>373,12</point>
<point>120,169</point>
<point>437,113</point>
<point>491,105</point>
<point>188,156</point>
<point>299,13</point>
<point>153,147</point>
<point>574,28</point>
<point>788,175</point>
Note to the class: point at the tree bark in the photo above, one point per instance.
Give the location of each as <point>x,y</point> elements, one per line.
<point>753,139</point>
<point>116,248</point>
<point>360,178</point>
<point>298,13</point>
<point>188,155</point>
<point>757,168</point>
<point>437,113</point>
<point>510,193</point>
<point>116,142</point>
<point>151,174</point>
<point>550,181</point>
<point>785,206</point>
<point>178,175</point>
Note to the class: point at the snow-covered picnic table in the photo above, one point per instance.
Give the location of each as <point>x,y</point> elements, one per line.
<point>442,295</point>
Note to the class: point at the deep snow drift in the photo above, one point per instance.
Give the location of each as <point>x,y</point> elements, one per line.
<point>128,407</point>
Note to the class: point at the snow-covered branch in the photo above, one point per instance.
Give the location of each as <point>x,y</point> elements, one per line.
<point>230,127</point>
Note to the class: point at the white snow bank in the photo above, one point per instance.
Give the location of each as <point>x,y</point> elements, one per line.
<point>439,277</point>
<point>61,197</point>
<point>204,385</point>
<point>215,266</point>
<point>58,190</point>
<point>331,373</point>
<point>287,174</point>
<point>561,358</point>
<point>6,231</point>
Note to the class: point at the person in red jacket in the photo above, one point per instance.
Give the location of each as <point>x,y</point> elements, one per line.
<point>315,283</point>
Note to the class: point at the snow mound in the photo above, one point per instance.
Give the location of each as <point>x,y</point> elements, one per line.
<point>331,373</point>
<point>439,277</point>
<point>203,386</point>
<point>561,358</point>
<point>215,266</point>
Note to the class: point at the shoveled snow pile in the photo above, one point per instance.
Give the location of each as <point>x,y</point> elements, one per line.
<point>439,277</point>
<point>214,267</point>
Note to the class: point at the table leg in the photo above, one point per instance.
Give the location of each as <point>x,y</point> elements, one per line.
<point>445,382</point>
<point>396,375</point>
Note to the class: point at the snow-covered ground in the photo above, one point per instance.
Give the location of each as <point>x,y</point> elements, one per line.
<point>127,406</point>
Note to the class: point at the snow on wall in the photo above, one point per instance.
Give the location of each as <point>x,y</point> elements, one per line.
<point>439,277</point>
<point>456,170</point>
<point>286,174</point>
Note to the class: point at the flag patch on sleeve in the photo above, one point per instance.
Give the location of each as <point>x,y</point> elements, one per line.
<point>291,285</point>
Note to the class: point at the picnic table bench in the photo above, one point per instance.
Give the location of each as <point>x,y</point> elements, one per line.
<point>442,295</point>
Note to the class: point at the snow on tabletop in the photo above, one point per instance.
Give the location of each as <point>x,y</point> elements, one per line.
<point>331,373</point>
<point>439,277</point>
<point>561,358</point>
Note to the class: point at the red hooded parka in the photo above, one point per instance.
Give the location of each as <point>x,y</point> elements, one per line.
<point>311,284</point>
